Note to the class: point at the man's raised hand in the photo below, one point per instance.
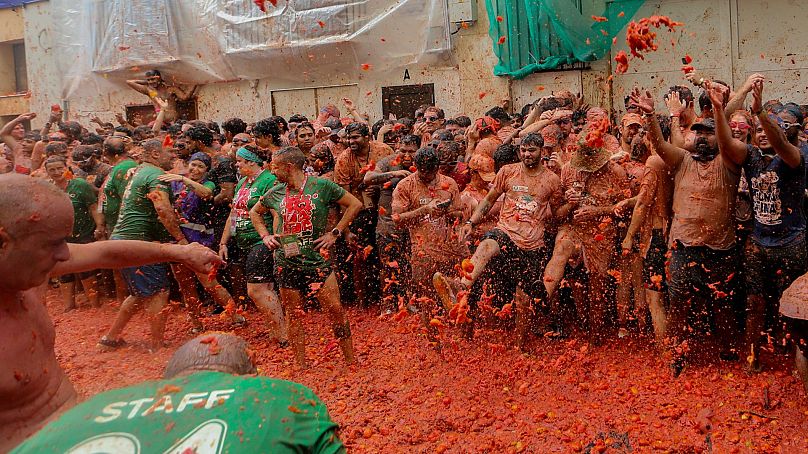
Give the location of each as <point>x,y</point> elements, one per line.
<point>643,101</point>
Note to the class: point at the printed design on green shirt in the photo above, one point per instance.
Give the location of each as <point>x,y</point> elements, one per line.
<point>206,438</point>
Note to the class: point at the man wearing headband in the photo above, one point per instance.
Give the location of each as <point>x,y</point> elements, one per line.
<point>209,398</point>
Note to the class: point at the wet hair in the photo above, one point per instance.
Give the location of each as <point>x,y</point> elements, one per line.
<point>323,154</point>
<point>304,125</point>
<point>92,139</point>
<point>333,123</point>
<point>463,121</point>
<point>232,356</point>
<point>685,95</point>
<point>356,126</point>
<point>268,128</point>
<point>55,148</point>
<point>665,126</point>
<point>443,135</point>
<point>33,135</point>
<point>72,129</point>
<point>438,111</point>
<point>549,104</point>
<point>374,130</point>
<point>407,122</point>
<point>124,130</point>
<point>291,155</point>
<point>53,159</point>
<point>281,122</point>
<point>578,116</point>
<point>426,159</point>
<point>201,134</point>
<point>114,147</point>
<point>234,126</point>
<point>141,132</point>
<point>214,127</point>
<point>499,114</point>
<point>153,72</point>
<point>85,152</point>
<point>534,138</point>
<point>298,118</point>
<point>794,110</point>
<point>449,153</point>
<point>175,129</point>
<point>411,139</point>
<point>772,105</point>
<point>452,122</point>
<point>506,154</point>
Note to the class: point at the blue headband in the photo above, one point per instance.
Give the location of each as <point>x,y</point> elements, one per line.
<point>249,155</point>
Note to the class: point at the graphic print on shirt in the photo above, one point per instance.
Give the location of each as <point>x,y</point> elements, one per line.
<point>526,208</point>
<point>766,199</point>
<point>298,214</point>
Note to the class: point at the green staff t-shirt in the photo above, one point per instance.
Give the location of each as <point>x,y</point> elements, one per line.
<point>138,218</point>
<point>207,412</point>
<point>113,190</point>
<point>82,196</point>
<point>248,192</point>
<point>303,217</point>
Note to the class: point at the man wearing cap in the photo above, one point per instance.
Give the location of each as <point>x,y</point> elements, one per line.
<point>208,401</point>
<point>481,138</point>
<point>702,234</point>
<point>481,170</point>
<point>630,126</point>
<point>514,253</point>
<point>594,186</point>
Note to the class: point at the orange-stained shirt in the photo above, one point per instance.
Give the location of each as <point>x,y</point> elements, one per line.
<point>529,203</point>
<point>487,146</point>
<point>704,203</point>
<point>472,197</point>
<point>434,238</point>
<point>349,171</point>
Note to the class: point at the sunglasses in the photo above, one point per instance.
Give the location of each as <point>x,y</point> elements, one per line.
<point>57,139</point>
<point>563,121</point>
<point>180,146</point>
<point>241,141</point>
<point>431,118</point>
<point>739,125</point>
<point>786,125</point>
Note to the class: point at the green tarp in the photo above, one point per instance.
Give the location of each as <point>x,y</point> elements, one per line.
<point>542,35</point>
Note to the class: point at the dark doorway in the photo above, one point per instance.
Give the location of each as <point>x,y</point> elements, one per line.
<point>186,110</point>
<point>403,100</point>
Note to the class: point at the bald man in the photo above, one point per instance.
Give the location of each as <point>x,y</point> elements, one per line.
<point>36,218</point>
<point>208,402</point>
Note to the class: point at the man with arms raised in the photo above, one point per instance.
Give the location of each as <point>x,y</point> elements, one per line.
<point>154,86</point>
<point>36,218</point>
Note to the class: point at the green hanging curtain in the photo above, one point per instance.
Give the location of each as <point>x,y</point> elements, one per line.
<point>545,34</point>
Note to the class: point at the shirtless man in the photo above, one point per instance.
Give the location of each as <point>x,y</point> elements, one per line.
<point>154,85</point>
<point>33,388</point>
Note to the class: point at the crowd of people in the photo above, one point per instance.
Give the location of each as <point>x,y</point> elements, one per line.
<point>553,221</point>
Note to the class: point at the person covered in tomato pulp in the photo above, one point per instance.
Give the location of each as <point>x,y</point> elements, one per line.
<point>209,402</point>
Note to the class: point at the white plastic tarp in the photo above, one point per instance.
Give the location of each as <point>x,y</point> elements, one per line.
<point>99,42</point>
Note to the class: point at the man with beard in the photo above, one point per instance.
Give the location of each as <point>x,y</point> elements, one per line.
<point>305,140</point>
<point>362,272</point>
<point>154,86</point>
<point>775,251</point>
<point>702,235</point>
<point>393,242</point>
<point>87,158</point>
<point>513,254</point>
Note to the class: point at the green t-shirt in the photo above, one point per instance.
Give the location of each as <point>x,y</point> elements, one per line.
<point>246,196</point>
<point>303,218</point>
<point>113,191</point>
<point>207,412</point>
<point>138,219</point>
<point>81,196</point>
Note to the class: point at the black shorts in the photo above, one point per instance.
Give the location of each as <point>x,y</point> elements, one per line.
<point>512,267</point>
<point>259,265</point>
<point>654,263</point>
<point>770,270</point>
<point>305,281</point>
